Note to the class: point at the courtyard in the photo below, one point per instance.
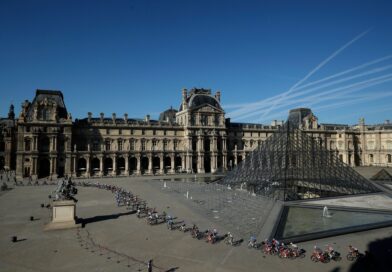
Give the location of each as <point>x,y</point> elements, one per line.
<point>113,239</point>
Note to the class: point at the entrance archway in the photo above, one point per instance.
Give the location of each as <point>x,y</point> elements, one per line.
<point>2,163</point>
<point>43,168</point>
<point>167,163</point>
<point>178,163</point>
<point>108,165</point>
<point>121,164</point>
<point>132,164</point>
<point>144,164</point>
<point>95,165</point>
<point>207,164</point>
<point>156,163</point>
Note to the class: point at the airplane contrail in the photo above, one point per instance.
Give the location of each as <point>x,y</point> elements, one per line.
<point>353,100</point>
<point>318,67</point>
<point>237,114</point>
<point>354,87</point>
<point>247,107</point>
<point>372,81</point>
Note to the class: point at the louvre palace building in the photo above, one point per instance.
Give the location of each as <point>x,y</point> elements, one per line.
<point>44,140</point>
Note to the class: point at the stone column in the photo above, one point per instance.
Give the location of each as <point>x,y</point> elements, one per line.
<point>35,145</point>
<point>73,166</point>
<point>161,164</point>
<point>149,164</point>
<point>88,171</point>
<point>54,143</point>
<point>34,166</point>
<point>126,157</point>
<point>101,158</point>
<point>224,162</point>
<point>138,164</point>
<point>172,163</point>
<point>224,144</point>
<point>114,171</point>
<point>189,166</point>
<point>214,163</point>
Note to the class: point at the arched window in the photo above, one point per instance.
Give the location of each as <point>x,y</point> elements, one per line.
<point>371,158</point>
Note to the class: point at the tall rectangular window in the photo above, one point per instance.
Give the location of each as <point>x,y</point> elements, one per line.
<point>164,145</point>
<point>120,145</point>
<point>107,145</point>
<point>132,145</point>
<point>27,145</point>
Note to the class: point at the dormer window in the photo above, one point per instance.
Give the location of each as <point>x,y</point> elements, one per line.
<point>44,114</point>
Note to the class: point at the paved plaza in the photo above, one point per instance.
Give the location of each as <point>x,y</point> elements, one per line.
<point>113,239</point>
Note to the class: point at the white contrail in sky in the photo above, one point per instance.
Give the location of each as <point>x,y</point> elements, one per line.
<point>238,114</point>
<point>349,100</point>
<point>353,87</point>
<point>248,107</point>
<point>318,67</point>
<point>339,94</point>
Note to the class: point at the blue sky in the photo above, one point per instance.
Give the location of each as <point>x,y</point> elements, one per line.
<point>136,56</point>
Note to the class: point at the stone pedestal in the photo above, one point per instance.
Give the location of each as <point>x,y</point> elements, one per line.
<point>63,215</point>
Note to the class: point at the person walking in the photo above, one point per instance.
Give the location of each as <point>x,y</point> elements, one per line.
<point>149,266</point>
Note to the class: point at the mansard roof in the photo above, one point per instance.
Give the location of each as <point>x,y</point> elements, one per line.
<point>49,96</point>
<point>169,114</point>
<point>200,97</point>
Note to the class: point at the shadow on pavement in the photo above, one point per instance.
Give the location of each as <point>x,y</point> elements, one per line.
<point>85,221</point>
<point>378,257</point>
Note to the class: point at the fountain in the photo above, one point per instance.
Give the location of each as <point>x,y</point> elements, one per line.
<point>326,212</point>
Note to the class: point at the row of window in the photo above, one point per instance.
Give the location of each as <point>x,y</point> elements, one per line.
<point>388,158</point>
<point>143,132</point>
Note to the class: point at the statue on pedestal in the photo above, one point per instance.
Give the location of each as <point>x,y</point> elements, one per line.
<point>66,190</point>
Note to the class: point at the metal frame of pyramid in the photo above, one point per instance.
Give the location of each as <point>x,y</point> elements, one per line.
<point>291,165</point>
<point>382,175</point>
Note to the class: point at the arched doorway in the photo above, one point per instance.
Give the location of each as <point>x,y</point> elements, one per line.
<point>156,164</point>
<point>207,164</point>
<point>95,165</point>
<point>82,165</point>
<point>220,163</point>
<point>108,165</point>
<point>194,164</point>
<point>121,164</point>
<point>144,164</point>
<point>167,163</point>
<point>43,168</point>
<point>178,164</point>
<point>61,167</point>
<point>239,159</point>
<point>2,163</point>
<point>132,164</point>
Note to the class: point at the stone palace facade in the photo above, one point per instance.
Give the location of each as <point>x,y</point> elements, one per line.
<point>44,141</point>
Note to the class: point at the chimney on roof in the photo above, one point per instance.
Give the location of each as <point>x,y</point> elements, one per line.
<point>218,96</point>
<point>126,117</point>
<point>102,116</point>
<point>184,98</point>
<point>147,118</point>
<point>114,118</point>
<point>387,122</point>
<point>89,115</point>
